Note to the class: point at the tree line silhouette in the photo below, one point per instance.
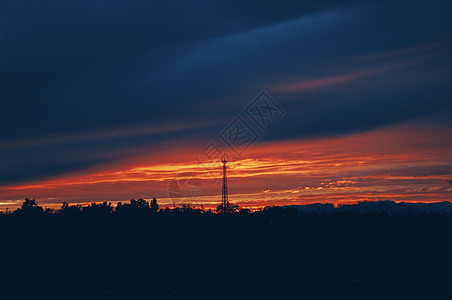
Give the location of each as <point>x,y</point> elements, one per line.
<point>31,207</point>
<point>137,250</point>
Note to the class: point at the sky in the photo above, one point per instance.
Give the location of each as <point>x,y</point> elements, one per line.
<point>312,101</point>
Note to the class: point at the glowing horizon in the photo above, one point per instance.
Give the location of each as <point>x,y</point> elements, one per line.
<point>400,163</point>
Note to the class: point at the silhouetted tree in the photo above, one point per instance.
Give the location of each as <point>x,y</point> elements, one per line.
<point>245,211</point>
<point>123,208</point>
<point>140,204</point>
<point>101,209</point>
<point>64,206</point>
<point>30,206</point>
<point>154,205</point>
<point>187,208</point>
<point>48,211</point>
<point>165,210</point>
<point>228,209</point>
<point>70,209</point>
<point>134,207</point>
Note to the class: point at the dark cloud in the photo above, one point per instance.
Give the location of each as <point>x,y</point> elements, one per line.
<point>450,182</point>
<point>70,66</point>
<point>78,63</point>
<point>58,155</point>
<point>44,168</point>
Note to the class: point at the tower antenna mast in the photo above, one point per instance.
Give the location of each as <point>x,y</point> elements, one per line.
<point>224,193</point>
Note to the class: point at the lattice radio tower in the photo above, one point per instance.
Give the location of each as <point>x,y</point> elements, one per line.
<point>224,193</point>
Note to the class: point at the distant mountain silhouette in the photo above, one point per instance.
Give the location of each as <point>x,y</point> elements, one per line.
<point>377,207</point>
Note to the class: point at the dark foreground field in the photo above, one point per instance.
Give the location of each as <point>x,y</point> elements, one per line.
<point>274,254</point>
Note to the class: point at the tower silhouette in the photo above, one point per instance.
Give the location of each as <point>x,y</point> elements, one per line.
<point>224,193</point>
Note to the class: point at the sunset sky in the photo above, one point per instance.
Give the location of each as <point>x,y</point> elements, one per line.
<point>113,100</point>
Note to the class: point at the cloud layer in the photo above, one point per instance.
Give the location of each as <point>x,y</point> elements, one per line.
<point>88,84</point>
